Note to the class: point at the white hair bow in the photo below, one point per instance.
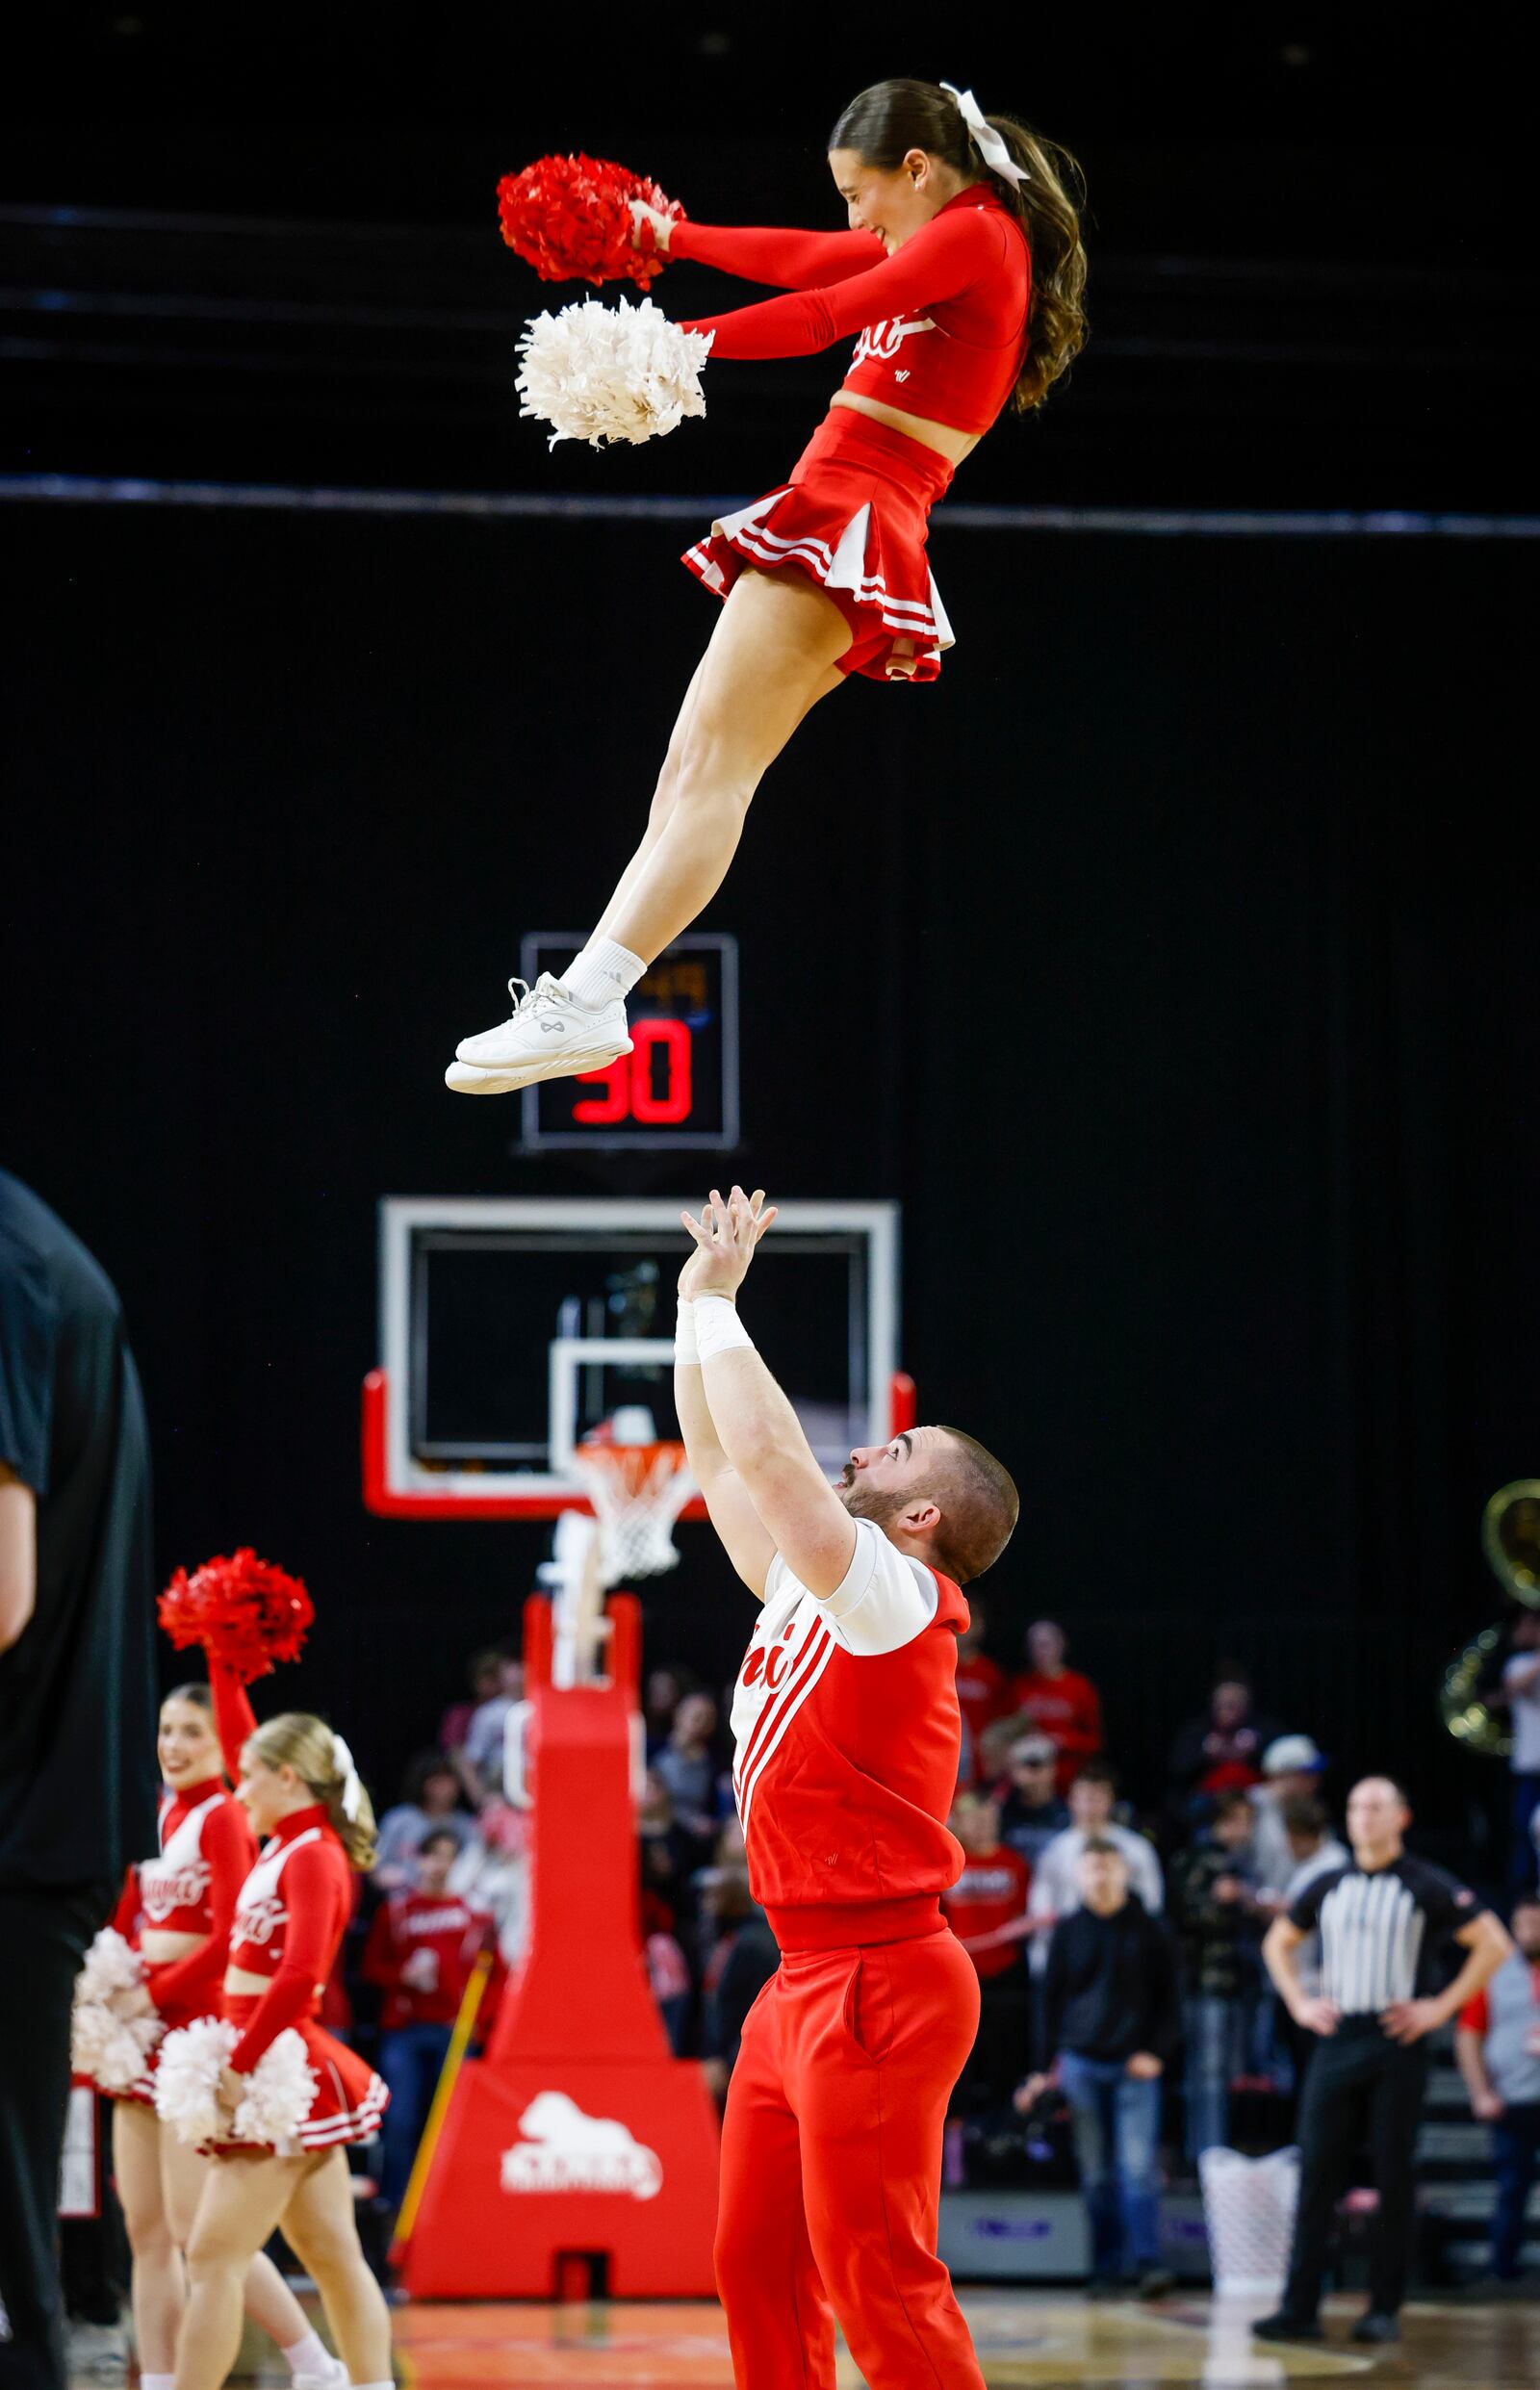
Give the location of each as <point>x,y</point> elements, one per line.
<point>992,147</point>
<point>352,1789</point>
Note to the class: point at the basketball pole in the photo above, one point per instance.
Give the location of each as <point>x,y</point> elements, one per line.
<point>459,2041</point>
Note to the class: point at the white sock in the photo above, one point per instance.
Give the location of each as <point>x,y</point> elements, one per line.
<point>308,2355</point>
<point>156,2381</point>
<point>602,972</point>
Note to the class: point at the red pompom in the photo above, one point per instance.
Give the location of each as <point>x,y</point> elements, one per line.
<point>241,1611</point>
<point>570,219</point>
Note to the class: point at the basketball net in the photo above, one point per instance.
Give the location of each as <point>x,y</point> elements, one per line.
<point>637,1491</point>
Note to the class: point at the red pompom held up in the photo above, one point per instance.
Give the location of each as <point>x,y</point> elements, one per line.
<point>243,1612</point>
<point>570,219</point>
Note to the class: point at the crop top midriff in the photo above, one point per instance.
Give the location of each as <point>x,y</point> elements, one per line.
<point>942,321</point>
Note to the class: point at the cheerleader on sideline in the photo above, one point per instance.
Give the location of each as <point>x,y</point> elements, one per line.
<point>182,1902</point>
<point>963,271</point>
<point>303,1794</point>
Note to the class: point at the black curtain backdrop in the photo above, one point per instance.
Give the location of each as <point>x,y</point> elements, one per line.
<point>1171,961</point>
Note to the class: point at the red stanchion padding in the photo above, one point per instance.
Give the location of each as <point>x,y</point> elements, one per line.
<point>577,2133</point>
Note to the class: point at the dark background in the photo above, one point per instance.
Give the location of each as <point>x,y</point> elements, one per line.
<point>1172,960</point>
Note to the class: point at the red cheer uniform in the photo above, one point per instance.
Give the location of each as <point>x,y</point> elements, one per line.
<point>289,1920</point>
<point>847,1732</point>
<point>420,1949</point>
<point>988,1893</point>
<point>206,1847</point>
<point>1068,1710</point>
<point>943,332</point>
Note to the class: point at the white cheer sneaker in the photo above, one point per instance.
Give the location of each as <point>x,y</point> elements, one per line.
<point>549,1035</point>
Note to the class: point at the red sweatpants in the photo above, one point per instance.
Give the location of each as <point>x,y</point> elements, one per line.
<point>831,2169</point>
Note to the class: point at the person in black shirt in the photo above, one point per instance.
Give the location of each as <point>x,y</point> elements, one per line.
<point>1114,2022</point>
<point>1380,1919</point>
<point>77,1711</point>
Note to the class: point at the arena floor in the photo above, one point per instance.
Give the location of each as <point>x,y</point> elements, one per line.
<point>1045,2338</point>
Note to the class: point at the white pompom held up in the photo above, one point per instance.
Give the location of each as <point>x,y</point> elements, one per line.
<point>104,2044</point>
<point>596,373</point>
<point>279,2089</point>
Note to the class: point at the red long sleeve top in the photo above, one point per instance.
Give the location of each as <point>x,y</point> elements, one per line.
<point>420,1949</point>
<point>1068,1708</point>
<point>942,321</point>
<point>288,1923</point>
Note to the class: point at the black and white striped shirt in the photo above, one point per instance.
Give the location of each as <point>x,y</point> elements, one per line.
<point>1378,1930</point>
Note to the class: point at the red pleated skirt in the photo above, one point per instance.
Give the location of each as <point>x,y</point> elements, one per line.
<point>350,2099</point>
<point>854,518</point>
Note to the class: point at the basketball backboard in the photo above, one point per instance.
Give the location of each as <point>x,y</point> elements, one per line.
<point>514,1328</point>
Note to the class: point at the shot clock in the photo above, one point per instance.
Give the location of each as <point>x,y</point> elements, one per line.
<point>679,1085</point>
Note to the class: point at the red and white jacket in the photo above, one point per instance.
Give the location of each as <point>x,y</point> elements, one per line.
<point>846,1722</point>
<point>289,1920</point>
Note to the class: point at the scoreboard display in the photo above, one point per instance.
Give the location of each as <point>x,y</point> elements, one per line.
<point>679,1087</point>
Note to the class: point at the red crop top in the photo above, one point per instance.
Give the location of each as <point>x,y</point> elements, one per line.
<point>288,1923</point>
<point>942,321</point>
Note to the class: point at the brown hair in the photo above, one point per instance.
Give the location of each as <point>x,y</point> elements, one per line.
<point>1097,1846</point>
<point>1303,1813</point>
<point>979,1504</point>
<point>888,119</point>
<point>307,1744</point>
<point>199,1694</point>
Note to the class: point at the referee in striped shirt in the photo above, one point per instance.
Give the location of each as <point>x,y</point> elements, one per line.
<point>1380,1918</point>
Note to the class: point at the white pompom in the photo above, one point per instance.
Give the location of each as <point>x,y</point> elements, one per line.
<point>600,373</point>
<point>110,2049</point>
<point>111,1966</point>
<point>187,2080</point>
<point>104,2044</point>
<point>280,2089</point>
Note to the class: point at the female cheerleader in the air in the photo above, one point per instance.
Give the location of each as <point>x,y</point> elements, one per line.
<point>176,1911</point>
<point>963,271</point>
<point>301,1792</point>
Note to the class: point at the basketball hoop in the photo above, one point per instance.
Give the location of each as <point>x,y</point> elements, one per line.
<point>637,1491</point>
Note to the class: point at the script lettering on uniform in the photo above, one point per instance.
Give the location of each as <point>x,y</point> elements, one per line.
<point>166,1890</point>
<point>258,1921</point>
<point>884,340</point>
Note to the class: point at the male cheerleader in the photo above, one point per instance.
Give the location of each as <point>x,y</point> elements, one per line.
<point>846,1725</point>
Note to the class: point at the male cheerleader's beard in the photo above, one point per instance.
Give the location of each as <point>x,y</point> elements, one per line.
<point>866,1501</point>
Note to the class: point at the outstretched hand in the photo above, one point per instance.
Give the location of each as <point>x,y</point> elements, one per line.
<point>726,1236</point>
<point>662,226</point>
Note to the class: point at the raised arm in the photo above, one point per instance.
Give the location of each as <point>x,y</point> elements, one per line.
<point>744,1537</point>
<point>234,1718</point>
<point>760,1434</point>
<point>945,258</point>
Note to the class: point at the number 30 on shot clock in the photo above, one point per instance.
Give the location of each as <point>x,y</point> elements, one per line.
<point>679,1087</point>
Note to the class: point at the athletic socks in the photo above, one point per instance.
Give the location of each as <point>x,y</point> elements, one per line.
<point>308,2355</point>
<point>604,973</point>
<point>156,2381</point>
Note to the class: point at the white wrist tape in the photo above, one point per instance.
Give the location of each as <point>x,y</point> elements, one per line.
<point>685,1348</point>
<point>717,1326</point>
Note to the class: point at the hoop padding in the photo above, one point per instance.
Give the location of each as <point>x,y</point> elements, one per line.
<point>637,1491</point>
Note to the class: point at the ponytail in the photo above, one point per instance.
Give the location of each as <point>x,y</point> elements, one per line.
<point>321,1762</point>
<point>884,123</point>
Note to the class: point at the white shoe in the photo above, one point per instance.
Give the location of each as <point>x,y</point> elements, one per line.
<point>547,1036</point>
<point>98,2350</point>
<point>465,1079</point>
<point>335,2377</point>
